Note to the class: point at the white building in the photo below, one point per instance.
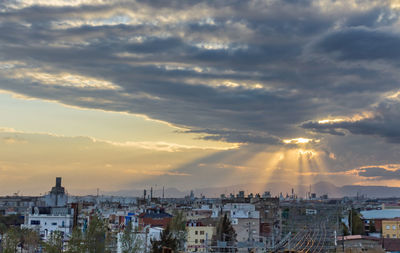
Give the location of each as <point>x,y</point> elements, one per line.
<point>241,211</point>
<point>46,220</point>
<point>54,216</point>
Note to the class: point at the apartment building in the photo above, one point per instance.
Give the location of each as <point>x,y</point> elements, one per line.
<point>199,236</point>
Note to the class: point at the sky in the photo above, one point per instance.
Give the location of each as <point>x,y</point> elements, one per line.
<point>127,94</point>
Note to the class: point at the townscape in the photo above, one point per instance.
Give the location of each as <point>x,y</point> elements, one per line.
<point>58,222</point>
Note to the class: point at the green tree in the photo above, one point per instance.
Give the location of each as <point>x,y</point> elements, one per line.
<point>167,240</point>
<point>3,230</point>
<point>96,235</point>
<point>11,240</point>
<point>357,225</point>
<point>130,240</point>
<point>30,239</point>
<point>178,228</point>
<point>225,233</point>
<point>55,243</point>
<point>76,244</point>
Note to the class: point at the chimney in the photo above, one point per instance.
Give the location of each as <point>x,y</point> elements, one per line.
<point>58,181</point>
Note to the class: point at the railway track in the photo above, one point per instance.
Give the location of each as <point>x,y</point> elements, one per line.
<point>309,240</point>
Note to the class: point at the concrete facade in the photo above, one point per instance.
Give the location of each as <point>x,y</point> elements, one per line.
<point>198,237</point>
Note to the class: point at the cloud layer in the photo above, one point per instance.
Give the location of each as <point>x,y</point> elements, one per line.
<point>275,73</point>
<point>253,68</point>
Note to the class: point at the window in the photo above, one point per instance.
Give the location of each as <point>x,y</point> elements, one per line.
<point>387,227</point>
<point>196,232</point>
<point>196,241</point>
<point>394,227</point>
<point>35,222</point>
<point>202,232</point>
<point>201,240</point>
<point>394,236</point>
<point>54,223</point>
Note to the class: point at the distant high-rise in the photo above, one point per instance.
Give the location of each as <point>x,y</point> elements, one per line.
<point>56,196</point>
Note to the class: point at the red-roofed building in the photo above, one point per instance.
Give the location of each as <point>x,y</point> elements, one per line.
<point>154,217</point>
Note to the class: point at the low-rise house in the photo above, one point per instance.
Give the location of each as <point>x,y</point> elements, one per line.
<point>359,243</point>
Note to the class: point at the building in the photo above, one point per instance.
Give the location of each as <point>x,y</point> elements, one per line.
<point>245,220</point>
<point>47,220</point>
<point>391,228</point>
<point>359,243</point>
<point>154,217</point>
<point>200,213</point>
<point>373,218</point>
<point>54,216</point>
<point>142,239</point>
<point>18,204</point>
<point>56,196</point>
<point>199,236</point>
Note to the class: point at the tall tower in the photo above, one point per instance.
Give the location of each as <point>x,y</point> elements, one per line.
<point>56,196</point>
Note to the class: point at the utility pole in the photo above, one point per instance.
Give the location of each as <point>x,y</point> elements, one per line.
<point>206,242</point>
<point>351,220</point>
<point>146,244</point>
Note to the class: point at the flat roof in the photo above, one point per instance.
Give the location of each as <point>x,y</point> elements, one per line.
<point>381,214</point>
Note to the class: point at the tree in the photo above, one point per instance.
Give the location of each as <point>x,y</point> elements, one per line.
<point>130,240</point>
<point>357,225</point>
<point>3,229</point>
<point>11,240</point>
<point>76,243</point>
<point>167,240</point>
<point>178,228</point>
<point>95,235</point>
<point>55,243</point>
<point>30,239</point>
<point>225,233</point>
<point>345,229</point>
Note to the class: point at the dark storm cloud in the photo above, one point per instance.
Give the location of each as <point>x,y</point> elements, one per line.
<point>362,44</point>
<point>385,123</point>
<point>256,69</point>
<point>379,173</point>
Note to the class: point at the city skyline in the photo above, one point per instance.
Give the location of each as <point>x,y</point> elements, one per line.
<point>131,94</point>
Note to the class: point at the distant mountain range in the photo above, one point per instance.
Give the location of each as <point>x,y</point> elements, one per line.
<point>275,188</point>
